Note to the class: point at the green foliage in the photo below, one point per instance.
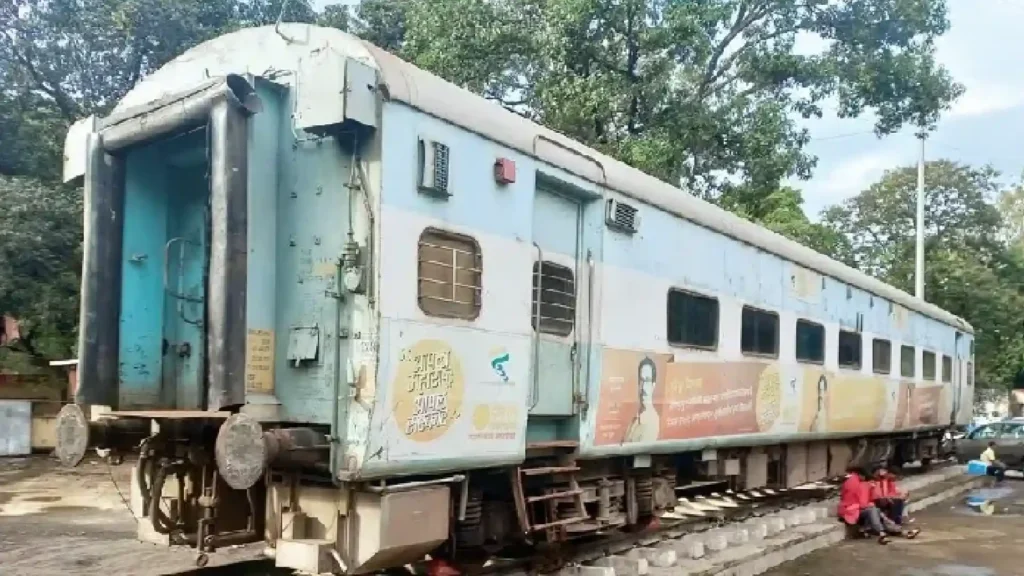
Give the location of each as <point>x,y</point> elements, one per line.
<point>971,269</point>
<point>40,256</point>
<point>691,91</point>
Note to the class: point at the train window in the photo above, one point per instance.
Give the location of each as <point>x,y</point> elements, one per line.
<point>947,369</point>
<point>970,374</point>
<point>928,361</point>
<point>881,356</point>
<point>692,320</point>
<point>450,275</point>
<point>850,344</point>
<point>810,342</point>
<point>908,361</point>
<point>554,299</point>
<point>760,332</point>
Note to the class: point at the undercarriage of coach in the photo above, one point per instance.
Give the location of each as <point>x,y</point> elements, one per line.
<point>199,480</point>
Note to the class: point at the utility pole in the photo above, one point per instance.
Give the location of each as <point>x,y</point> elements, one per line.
<point>919,284</point>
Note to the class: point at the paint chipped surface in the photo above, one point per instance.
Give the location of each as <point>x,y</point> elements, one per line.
<point>951,543</point>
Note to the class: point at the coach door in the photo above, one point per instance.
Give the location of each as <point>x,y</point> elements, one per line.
<point>557,231</point>
<point>957,378</point>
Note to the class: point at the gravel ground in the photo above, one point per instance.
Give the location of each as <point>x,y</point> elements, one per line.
<point>55,521</point>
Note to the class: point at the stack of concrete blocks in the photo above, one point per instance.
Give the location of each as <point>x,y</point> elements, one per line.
<point>747,548</point>
<point>717,548</point>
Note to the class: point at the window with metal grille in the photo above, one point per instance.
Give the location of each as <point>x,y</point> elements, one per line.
<point>947,369</point>
<point>554,299</point>
<point>810,342</point>
<point>908,361</point>
<point>692,320</point>
<point>850,350</point>
<point>450,275</point>
<point>928,360</point>
<point>881,356</point>
<point>759,334</point>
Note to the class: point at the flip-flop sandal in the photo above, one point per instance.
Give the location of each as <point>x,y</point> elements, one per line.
<point>911,534</point>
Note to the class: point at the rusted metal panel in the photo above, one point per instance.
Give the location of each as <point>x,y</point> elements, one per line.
<point>15,427</point>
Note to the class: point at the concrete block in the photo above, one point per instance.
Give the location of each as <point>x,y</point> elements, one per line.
<point>796,465</point>
<point>714,541</point>
<point>587,571</point>
<point>817,461</point>
<point>757,529</point>
<point>687,567</point>
<point>660,557</point>
<point>774,524</point>
<point>755,471</point>
<point>293,525</point>
<point>689,547</point>
<point>839,458</point>
<point>313,556</point>
<point>736,535</point>
<point>797,517</point>
<point>821,512</point>
<point>623,566</point>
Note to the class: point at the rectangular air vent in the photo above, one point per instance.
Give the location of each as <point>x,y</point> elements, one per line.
<point>434,168</point>
<point>622,217</point>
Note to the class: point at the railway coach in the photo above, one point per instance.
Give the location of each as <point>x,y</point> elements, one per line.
<point>348,308</point>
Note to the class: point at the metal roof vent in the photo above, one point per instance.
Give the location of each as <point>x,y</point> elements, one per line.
<point>622,217</point>
<point>434,168</point>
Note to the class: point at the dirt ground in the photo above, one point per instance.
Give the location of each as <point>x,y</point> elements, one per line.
<point>58,521</point>
<point>954,541</point>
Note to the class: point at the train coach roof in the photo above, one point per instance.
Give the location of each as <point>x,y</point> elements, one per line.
<point>278,54</point>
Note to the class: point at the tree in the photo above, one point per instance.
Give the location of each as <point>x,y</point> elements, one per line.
<point>782,212</point>
<point>691,91</point>
<point>40,252</point>
<point>970,270</point>
<point>880,222</point>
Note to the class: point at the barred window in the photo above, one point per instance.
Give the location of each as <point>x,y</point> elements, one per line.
<point>450,275</point>
<point>881,356</point>
<point>810,342</point>
<point>947,369</point>
<point>850,350</point>
<point>759,333</point>
<point>908,361</point>
<point>554,299</point>
<point>692,320</point>
<point>928,361</point>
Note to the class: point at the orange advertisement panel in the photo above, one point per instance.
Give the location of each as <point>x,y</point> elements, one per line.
<point>814,400</point>
<point>716,399</point>
<point>856,403</point>
<point>924,405</point>
<point>626,411</point>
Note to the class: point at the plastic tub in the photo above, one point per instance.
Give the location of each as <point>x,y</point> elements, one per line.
<point>977,468</point>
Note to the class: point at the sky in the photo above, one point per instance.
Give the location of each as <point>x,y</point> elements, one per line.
<point>983,50</point>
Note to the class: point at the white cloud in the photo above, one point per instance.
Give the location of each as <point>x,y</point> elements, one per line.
<point>845,179</point>
<point>982,99</point>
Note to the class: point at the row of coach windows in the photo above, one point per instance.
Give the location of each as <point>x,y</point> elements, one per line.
<point>450,274</point>
<point>693,322</point>
<point>450,283</point>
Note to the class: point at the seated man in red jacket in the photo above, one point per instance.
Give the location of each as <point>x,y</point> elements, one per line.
<point>889,499</point>
<point>855,506</point>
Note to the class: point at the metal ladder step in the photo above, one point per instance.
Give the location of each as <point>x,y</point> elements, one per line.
<point>548,470</point>
<point>555,495</point>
